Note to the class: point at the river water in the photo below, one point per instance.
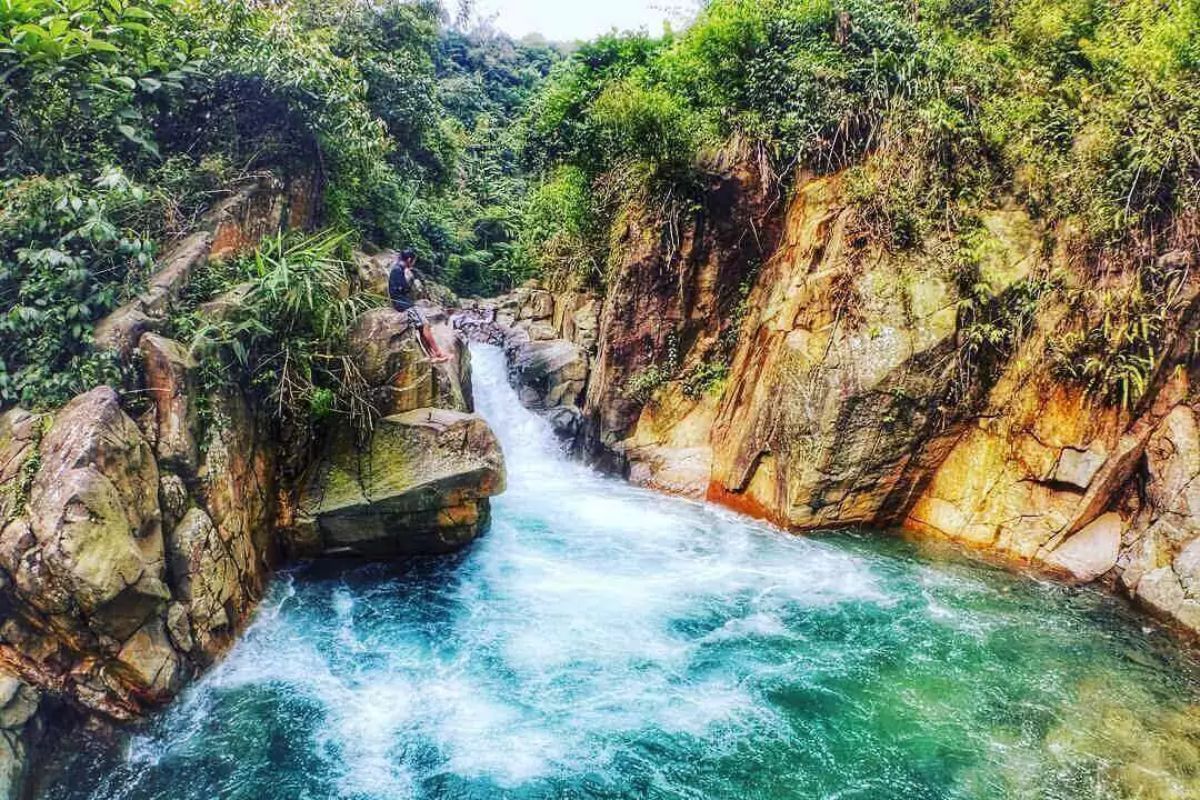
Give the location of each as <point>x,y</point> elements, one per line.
<point>605,642</point>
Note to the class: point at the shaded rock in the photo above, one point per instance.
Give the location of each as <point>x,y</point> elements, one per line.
<point>373,270</point>
<point>238,487</point>
<point>172,499</point>
<point>1078,467</point>
<point>540,305</point>
<point>168,368</point>
<point>18,705</point>
<point>179,627</point>
<point>420,485</point>
<point>121,330</point>
<point>565,421</point>
<point>584,328</point>
<point>540,331</point>
<point>150,663</point>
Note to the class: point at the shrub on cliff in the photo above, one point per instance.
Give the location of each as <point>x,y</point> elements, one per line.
<point>69,252</point>
<point>1088,113</point>
<point>276,321</point>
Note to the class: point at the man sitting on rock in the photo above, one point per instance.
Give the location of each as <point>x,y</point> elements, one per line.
<point>402,284</point>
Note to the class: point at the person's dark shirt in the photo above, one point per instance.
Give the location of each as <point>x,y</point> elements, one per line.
<point>400,289</point>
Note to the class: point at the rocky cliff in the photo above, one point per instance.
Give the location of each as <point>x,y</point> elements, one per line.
<point>139,524</point>
<point>778,359</point>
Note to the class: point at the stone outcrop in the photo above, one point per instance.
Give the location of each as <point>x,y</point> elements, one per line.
<point>420,482</point>
<point>261,207</point>
<point>549,340</point>
<point>386,348</point>
<point>419,486</point>
<point>84,564</point>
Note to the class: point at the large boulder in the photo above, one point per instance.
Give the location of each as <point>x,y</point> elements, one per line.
<point>1090,553</point>
<point>548,374</point>
<point>94,533</point>
<point>420,485</point>
<point>82,556</point>
<point>387,350</point>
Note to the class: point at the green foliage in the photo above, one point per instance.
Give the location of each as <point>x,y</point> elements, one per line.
<point>84,78</point>
<point>69,253</point>
<point>1119,342</point>
<point>707,377</point>
<point>285,334</point>
<point>990,328</point>
<point>484,80</point>
<point>643,384</point>
<point>559,227</point>
<point>188,96</point>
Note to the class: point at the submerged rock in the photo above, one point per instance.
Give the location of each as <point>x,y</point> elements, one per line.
<point>420,485</point>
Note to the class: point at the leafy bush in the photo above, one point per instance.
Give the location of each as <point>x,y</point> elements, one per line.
<point>70,252</point>
<point>83,81</point>
<point>285,334</point>
<point>559,228</point>
<point>1118,342</point>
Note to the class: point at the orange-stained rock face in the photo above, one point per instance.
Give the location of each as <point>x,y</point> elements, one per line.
<point>846,401</point>
<point>1016,479</point>
<point>671,298</point>
<point>840,381</point>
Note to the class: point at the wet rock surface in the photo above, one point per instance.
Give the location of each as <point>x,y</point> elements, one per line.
<point>548,339</point>
<point>419,486</point>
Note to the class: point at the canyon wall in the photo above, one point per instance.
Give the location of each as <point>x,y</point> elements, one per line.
<point>800,371</point>
<point>139,524</point>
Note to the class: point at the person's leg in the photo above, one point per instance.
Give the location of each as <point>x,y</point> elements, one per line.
<point>435,351</point>
<point>425,333</point>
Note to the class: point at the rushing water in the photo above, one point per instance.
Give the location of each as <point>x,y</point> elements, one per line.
<point>605,642</point>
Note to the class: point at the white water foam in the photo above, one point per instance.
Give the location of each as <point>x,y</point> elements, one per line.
<point>587,614</point>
